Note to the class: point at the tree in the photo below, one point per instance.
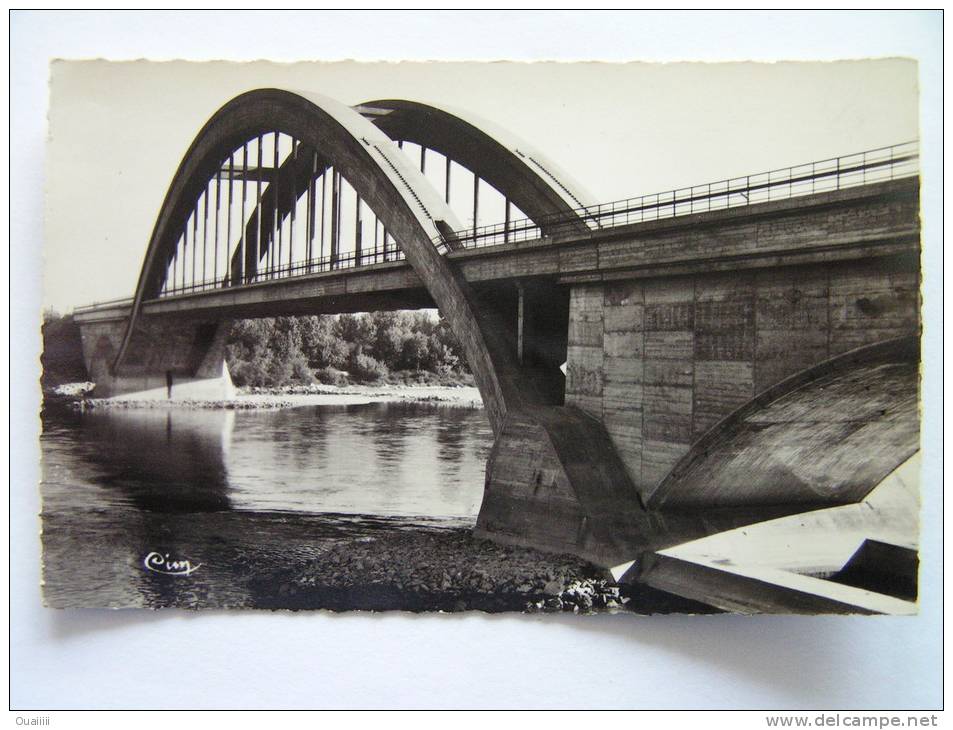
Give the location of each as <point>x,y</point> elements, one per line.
<point>389,333</point>
<point>267,352</point>
<point>354,329</point>
<point>415,354</point>
<point>447,351</point>
<point>62,356</point>
<point>365,368</point>
<point>321,344</point>
<point>280,350</point>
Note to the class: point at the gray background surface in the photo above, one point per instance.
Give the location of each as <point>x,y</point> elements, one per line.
<point>131,659</point>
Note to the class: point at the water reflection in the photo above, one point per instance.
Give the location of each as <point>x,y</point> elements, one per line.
<point>155,460</point>
<point>389,436</point>
<point>233,489</point>
<point>374,459</point>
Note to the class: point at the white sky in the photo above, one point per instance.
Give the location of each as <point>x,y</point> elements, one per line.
<point>119,130</point>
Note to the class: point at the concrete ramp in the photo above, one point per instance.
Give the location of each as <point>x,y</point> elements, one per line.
<point>791,564</point>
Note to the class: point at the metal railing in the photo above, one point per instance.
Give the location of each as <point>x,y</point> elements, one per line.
<point>343,261</point>
<point>837,173</point>
<point>125,301</point>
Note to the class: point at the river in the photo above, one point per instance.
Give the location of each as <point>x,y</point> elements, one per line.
<point>241,493</point>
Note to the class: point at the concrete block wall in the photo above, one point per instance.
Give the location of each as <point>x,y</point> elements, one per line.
<point>660,361</point>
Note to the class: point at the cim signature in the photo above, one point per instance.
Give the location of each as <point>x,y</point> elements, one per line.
<point>159,563</point>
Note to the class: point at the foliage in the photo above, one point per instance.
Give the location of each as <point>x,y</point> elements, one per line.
<point>366,369</point>
<point>369,347</point>
<point>62,356</point>
<point>331,376</point>
<point>396,347</point>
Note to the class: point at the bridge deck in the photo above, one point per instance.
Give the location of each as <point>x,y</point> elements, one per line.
<point>878,219</point>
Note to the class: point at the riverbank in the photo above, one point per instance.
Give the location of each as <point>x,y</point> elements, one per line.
<point>288,397</point>
<point>288,561</point>
<point>279,513</point>
<point>428,568</point>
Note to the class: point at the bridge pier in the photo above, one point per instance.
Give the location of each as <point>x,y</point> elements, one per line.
<point>180,358</point>
<point>661,360</point>
<point>653,365</point>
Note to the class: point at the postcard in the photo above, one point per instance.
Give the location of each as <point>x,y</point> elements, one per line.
<point>534,337</point>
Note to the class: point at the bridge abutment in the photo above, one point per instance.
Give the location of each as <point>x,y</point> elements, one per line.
<point>179,358</point>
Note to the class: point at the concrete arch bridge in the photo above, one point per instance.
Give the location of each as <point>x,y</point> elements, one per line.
<point>607,340</point>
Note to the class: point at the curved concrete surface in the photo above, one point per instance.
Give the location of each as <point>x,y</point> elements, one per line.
<point>825,436</point>
<point>533,183</point>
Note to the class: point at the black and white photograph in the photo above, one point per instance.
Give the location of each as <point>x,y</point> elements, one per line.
<point>593,368</point>
<point>450,337</point>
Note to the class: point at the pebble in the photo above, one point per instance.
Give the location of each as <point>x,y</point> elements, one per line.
<point>450,570</point>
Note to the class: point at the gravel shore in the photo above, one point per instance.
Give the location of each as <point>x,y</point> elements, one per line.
<point>427,569</point>
<point>294,396</point>
<point>297,561</point>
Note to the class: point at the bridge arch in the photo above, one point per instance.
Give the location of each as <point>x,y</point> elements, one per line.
<point>826,435</point>
<point>555,476</point>
<point>413,213</point>
<point>523,175</point>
